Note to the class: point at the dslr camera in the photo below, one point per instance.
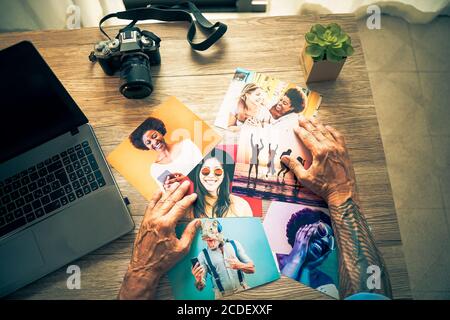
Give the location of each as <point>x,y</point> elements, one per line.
<point>132,52</point>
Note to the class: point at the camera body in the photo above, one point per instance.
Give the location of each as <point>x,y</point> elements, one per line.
<point>132,53</point>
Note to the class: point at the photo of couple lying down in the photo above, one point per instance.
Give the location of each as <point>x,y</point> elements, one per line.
<point>257,99</point>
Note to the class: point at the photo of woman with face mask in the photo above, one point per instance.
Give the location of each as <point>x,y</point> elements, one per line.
<point>211,179</point>
<point>250,108</point>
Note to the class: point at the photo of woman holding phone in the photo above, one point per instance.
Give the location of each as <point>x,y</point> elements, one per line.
<point>172,160</point>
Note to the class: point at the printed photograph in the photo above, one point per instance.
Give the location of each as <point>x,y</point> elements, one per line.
<point>227,256</point>
<point>303,241</point>
<point>163,148</point>
<point>211,179</point>
<point>259,171</point>
<point>258,99</point>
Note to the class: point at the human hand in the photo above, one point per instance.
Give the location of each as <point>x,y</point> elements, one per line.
<point>198,272</point>
<point>331,173</point>
<point>172,178</point>
<point>157,248</point>
<point>252,121</point>
<point>297,257</point>
<point>234,264</point>
<point>302,238</point>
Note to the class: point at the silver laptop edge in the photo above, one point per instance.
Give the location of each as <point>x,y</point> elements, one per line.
<point>68,233</point>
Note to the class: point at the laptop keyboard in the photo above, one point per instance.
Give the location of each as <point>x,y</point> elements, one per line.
<point>48,186</point>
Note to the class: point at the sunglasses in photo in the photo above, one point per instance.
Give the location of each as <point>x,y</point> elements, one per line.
<point>206,171</point>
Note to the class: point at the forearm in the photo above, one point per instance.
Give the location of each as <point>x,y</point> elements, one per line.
<point>233,128</point>
<point>248,267</point>
<point>139,285</point>
<point>156,247</point>
<point>232,120</point>
<point>292,268</point>
<point>357,250</point>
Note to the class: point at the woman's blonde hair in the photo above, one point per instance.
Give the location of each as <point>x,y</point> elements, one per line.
<point>248,88</point>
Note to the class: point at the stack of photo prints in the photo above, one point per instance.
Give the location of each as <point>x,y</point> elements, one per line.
<point>235,250</point>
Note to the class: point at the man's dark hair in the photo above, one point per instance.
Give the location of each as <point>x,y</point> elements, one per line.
<point>296,99</point>
<point>149,124</point>
<point>301,218</point>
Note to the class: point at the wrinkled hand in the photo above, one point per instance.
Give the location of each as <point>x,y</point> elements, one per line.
<point>157,248</point>
<point>198,272</point>
<point>331,173</point>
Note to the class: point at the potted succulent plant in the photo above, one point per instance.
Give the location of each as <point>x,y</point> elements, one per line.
<point>327,48</point>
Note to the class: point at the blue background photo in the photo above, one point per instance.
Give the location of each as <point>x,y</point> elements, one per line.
<point>250,233</point>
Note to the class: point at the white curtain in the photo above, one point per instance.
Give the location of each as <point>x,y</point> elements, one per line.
<point>414,11</point>
<point>20,15</point>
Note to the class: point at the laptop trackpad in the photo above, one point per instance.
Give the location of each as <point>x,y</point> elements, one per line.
<point>19,257</point>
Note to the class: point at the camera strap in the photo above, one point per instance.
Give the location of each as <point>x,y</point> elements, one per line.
<point>181,12</point>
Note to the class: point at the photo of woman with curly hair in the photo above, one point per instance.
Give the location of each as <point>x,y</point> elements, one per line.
<point>292,101</point>
<point>172,160</point>
<point>163,148</point>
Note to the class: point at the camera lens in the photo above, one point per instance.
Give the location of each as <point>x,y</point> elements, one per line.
<point>135,77</point>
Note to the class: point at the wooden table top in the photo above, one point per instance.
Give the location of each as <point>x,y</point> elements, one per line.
<point>200,80</point>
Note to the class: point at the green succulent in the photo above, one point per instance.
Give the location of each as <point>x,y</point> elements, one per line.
<point>328,43</point>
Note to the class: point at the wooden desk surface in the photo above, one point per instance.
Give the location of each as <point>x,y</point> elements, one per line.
<point>200,80</point>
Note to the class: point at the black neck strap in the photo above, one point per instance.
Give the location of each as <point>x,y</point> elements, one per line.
<point>180,12</point>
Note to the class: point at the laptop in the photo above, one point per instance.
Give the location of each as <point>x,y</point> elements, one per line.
<point>58,198</point>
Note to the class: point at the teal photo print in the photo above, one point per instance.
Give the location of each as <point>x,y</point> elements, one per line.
<point>227,256</point>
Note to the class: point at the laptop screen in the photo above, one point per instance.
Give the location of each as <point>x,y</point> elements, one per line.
<point>34,106</point>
